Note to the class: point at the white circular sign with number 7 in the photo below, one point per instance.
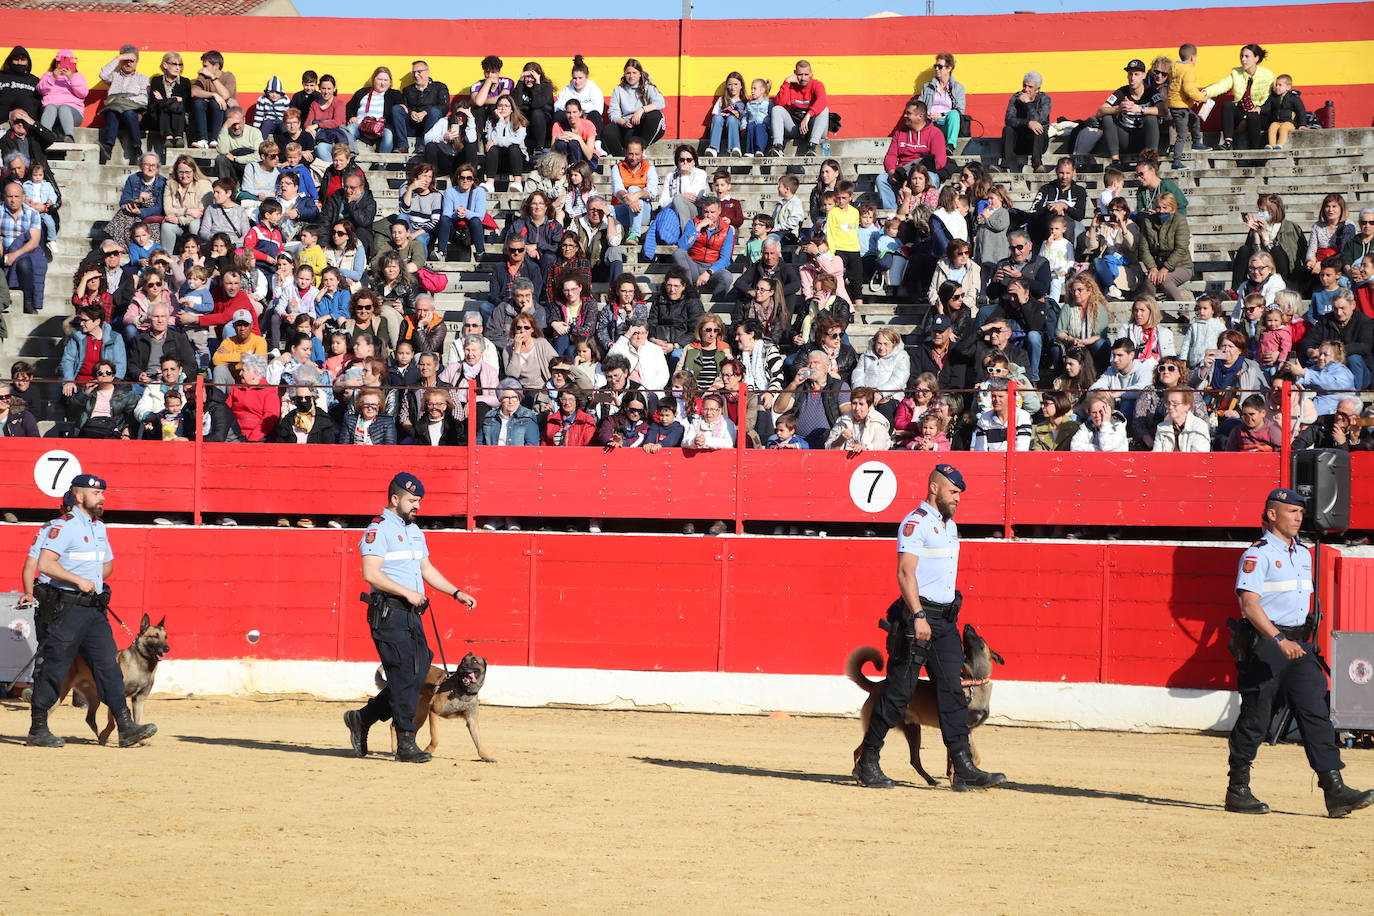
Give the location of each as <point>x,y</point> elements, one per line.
<point>54,471</point>
<point>873,486</point>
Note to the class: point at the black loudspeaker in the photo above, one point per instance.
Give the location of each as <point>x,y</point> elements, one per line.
<point>1322,475</point>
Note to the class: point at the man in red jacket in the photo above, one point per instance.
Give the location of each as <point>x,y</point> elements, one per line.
<point>229,298</point>
<point>917,141</point>
<point>800,111</point>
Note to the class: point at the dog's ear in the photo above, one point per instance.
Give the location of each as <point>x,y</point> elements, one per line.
<point>997,658</point>
<point>162,624</point>
<point>143,624</point>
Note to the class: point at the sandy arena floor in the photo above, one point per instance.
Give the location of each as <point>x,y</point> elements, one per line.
<point>242,805</point>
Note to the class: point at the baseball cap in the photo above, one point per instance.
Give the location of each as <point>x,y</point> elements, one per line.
<point>1287,496</point>
<point>939,324</point>
<point>90,481</point>
<point>410,483</point>
<point>243,315</point>
<point>1136,64</point>
<point>952,474</point>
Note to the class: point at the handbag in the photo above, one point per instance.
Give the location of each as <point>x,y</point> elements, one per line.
<point>432,280</point>
<point>371,128</point>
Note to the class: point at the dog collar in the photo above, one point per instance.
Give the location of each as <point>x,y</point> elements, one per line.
<point>974,682</point>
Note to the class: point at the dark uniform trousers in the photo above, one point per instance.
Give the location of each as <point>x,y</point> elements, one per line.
<point>400,640</point>
<point>944,663</point>
<point>1302,682</point>
<point>78,627</point>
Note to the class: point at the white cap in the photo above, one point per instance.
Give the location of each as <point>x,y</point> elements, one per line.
<point>243,315</point>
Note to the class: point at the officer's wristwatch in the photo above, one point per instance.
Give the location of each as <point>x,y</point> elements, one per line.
<point>920,615</point>
<point>1278,638</point>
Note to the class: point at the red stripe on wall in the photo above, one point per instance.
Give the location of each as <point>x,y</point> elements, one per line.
<point>925,36</point>
<point>1068,612</point>
<point>1361,495</point>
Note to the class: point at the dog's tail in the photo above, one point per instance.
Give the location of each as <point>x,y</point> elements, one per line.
<point>380,678</point>
<point>853,668</point>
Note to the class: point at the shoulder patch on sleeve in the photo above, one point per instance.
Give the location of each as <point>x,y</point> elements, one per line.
<point>1250,563</point>
<point>370,537</point>
<point>908,529</point>
<point>52,532</point>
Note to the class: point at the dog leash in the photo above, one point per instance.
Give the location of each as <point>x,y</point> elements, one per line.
<point>434,624</point>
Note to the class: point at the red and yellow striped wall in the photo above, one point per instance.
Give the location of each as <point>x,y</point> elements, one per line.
<point>869,66</point>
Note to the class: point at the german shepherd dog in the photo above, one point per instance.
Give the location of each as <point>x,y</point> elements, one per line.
<point>137,663</point>
<point>922,710</point>
<point>448,695</point>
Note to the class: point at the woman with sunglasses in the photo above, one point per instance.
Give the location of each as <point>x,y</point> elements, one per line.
<point>704,356</point>
<point>568,424</point>
<point>152,291</point>
<point>463,213</point>
<point>1151,406</point>
<point>102,410</point>
<point>91,288</point>
<point>365,309</point>
<point>1110,245</point>
<point>827,336</point>
<point>16,420</point>
<point>343,251</point>
<point>677,199</point>
<point>627,427</point>
<point>527,357</point>
<point>945,99</point>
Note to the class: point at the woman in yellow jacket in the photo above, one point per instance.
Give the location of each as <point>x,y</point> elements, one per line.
<point>1249,86</point>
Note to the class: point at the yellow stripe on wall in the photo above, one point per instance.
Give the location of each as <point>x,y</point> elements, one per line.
<point>1335,63</point>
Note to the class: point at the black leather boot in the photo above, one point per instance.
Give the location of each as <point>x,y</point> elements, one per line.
<point>968,776</point>
<point>130,732</point>
<point>39,736</point>
<point>407,751</point>
<point>1239,798</point>
<point>1340,798</point>
<point>867,771</point>
<point>357,730</point>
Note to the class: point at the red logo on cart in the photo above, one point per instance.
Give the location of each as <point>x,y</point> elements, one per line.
<point>1249,564</point>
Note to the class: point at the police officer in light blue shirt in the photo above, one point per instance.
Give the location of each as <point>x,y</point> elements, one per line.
<point>396,565</point>
<point>75,556</point>
<point>1274,586</point>
<point>924,632</point>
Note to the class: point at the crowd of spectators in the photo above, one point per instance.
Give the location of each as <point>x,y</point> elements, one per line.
<point>311,309</point>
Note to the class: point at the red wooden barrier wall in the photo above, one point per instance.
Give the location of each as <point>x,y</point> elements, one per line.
<point>1144,614</point>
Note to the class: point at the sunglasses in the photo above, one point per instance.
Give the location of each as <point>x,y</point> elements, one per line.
<point>1168,368</point>
<point>710,330</point>
<point>524,327</point>
<point>515,251</point>
<point>942,66</point>
<point>152,285</point>
<point>833,335</point>
<point>362,308</point>
<point>686,159</point>
<point>104,373</point>
<point>1367,222</point>
<point>110,254</point>
<point>1018,247</point>
<point>467,178</point>
<point>339,234</point>
<point>6,397</point>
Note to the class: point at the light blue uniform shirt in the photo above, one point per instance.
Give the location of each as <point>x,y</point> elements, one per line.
<point>401,548</point>
<point>37,547</point>
<point>81,547</point>
<point>935,539</point>
<point>1282,577</point>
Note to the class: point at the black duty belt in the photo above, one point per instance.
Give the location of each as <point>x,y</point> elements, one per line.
<point>81,599</point>
<point>1297,634</point>
<point>938,610</point>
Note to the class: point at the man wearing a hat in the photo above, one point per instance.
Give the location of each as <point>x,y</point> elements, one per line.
<point>76,558</point>
<point>1130,115</point>
<point>1274,585</point>
<point>237,344</point>
<point>923,627</point>
<point>396,565</point>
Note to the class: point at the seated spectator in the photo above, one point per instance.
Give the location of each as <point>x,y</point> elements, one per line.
<point>184,200</point>
<point>800,110</point>
<point>827,337</point>
<point>90,342</point>
<point>990,431</point>
<point>1257,431</point>
<point>1332,231</point>
<point>15,417</point>
<point>1165,256</point>
<point>705,248</point>
<point>958,267</point>
<point>916,403</point>
<point>21,234</point>
<point>527,357</point>
<point>728,114</point>
<point>462,215</point>
<point>1055,432</point>
<point>1130,115</point>
<point>102,410</point>
<point>766,292</point>
<point>786,435</point>
<point>678,201</point>
<point>585,91</point>
<point>423,328</point>
<point>1150,407</point>
<point>573,313</point>
<point>1153,340</point>
<point>1026,125</point>
<point>1269,231</point>
<point>1022,262</point>
<point>1182,430</point>
<point>458,143</point>
<point>1025,318</point>
<point>224,215</point>
<point>298,145</point>
<point>674,312</point>
<point>576,141</point>
<point>704,356</point>
<point>634,187</point>
<point>156,343</point>
<point>437,424</point>
<point>244,341</point>
<point>239,144</point>
<point>368,112</point>
<point>422,105</point>
<point>510,423</point>
<point>1226,376</point>
<point>1125,375</point>
<point>355,205</point>
<point>819,397</point>
<point>709,430</point>
<point>622,305</point>
<point>473,366</point>
<point>63,92</point>
<point>599,237</point>
<point>570,258</point>
<point>885,368</point>
<point>1248,86</point>
<point>26,139</point>
<point>993,338</point>
<point>1360,247</point>
<point>863,428</point>
<point>1203,330</point>
<point>636,110</point>
<point>945,99</point>
<point>1263,280</point>
<point>647,363</point>
<point>152,292</point>
<point>1083,319</point>
<point>346,254</point>
<point>341,165</point>
<point>538,230</point>
<point>91,289</point>
<point>1063,197</point>
<point>408,401</point>
<point>306,424</point>
<point>917,142</point>
<point>1351,328</point>
<point>628,427</point>
<point>1328,374</point>
<point>1250,321</point>
<point>1339,429</point>
<point>126,98</point>
<point>365,423</point>
<point>936,355</point>
<point>1112,245</point>
<point>173,421</point>
<point>1103,429</point>
<point>569,424</point>
<point>484,94</point>
<point>533,94</point>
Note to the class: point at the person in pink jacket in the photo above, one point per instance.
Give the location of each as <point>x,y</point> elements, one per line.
<point>63,93</point>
